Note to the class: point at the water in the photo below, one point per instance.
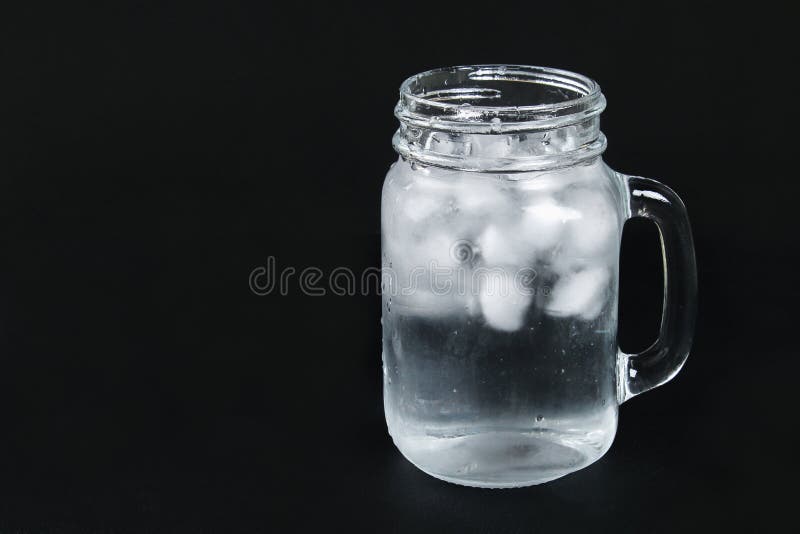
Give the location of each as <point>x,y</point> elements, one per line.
<point>501,372</point>
<point>471,404</point>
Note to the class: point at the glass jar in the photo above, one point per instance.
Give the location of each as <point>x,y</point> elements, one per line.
<point>501,230</point>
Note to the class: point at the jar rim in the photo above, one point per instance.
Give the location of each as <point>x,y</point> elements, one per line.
<point>498,99</point>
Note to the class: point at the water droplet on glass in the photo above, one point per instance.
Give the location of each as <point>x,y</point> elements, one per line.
<point>539,418</point>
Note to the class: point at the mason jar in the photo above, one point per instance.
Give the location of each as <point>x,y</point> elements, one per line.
<point>501,229</point>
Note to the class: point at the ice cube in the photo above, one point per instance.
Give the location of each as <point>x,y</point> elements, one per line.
<point>499,248</point>
<point>580,293</point>
<point>537,182</point>
<point>418,207</point>
<point>592,233</point>
<point>433,280</point>
<point>411,207</point>
<point>431,179</point>
<point>443,250</point>
<point>502,302</point>
<point>564,263</point>
<point>412,192</point>
<point>424,196</point>
<point>544,221</point>
<point>481,194</point>
<point>422,302</point>
<point>431,262</point>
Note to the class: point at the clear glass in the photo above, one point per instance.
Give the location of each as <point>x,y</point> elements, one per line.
<point>501,230</point>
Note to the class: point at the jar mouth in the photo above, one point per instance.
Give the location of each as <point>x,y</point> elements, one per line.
<point>498,99</point>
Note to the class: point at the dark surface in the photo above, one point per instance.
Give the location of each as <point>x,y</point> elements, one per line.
<point>151,158</point>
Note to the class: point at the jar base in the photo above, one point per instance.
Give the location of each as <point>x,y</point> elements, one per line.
<point>502,459</point>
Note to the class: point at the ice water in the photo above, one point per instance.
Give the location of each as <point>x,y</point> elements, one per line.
<point>499,320</point>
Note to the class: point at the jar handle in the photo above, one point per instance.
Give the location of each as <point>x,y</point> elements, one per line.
<point>662,360</point>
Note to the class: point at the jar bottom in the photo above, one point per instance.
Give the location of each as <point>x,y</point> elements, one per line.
<point>503,459</point>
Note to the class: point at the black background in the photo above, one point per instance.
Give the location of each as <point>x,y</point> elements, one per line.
<point>151,157</point>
